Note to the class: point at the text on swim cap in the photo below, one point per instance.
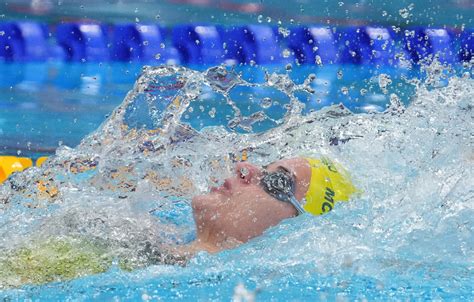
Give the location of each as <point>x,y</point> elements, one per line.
<point>329,197</point>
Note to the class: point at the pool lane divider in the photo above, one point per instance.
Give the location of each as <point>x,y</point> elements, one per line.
<point>12,164</point>
<point>244,44</point>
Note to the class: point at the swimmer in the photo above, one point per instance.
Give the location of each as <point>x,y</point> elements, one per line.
<point>255,199</point>
<point>244,207</point>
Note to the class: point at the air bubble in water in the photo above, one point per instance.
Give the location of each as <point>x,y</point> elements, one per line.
<point>158,56</point>
<point>341,3</point>
<point>363,91</point>
<point>345,90</point>
<point>286,53</point>
<point>162,45</point>
<point>339,74</point>
<point>266,102</point>
<point>269,19</point>
<point>288,67</point>
<point>260,19</point>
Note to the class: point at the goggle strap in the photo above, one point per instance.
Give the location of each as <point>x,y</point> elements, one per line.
<point>296,204</point>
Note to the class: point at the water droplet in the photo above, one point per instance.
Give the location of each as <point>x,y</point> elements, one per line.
<point>384,13</point>
<point>384,82</point>
<point>157,17</point>
<point>137,20</point>
<point>197,42</point>
<point>266,102</point>
<point>212,112</point>
<point>318,60</point>
<point>404,13</point>
<point>284,31</point>
<point>244,171</point>
<point>233,123</point>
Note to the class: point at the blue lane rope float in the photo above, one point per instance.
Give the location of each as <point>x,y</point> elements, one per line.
<point>208,44</point>
<point>198,44</point>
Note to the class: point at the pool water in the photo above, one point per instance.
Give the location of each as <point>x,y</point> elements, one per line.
<point>408,235</point>
<point>45,105</point>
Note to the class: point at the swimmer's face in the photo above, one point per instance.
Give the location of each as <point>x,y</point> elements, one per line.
<point>241,209</point>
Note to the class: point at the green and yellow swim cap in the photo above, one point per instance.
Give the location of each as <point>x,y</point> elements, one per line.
<point>329,184</point>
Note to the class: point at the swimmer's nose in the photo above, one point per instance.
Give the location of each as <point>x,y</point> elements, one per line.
<point>247,172</point>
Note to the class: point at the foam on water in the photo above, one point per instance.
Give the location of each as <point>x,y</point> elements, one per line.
<point>127,186</point>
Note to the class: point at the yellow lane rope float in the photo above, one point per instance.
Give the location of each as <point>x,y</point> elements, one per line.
<point>11,164</point>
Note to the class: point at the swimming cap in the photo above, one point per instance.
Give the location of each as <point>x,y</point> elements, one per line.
<point>329,184</point>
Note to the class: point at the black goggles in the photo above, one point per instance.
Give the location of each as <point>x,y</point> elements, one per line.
<point>281,185</point>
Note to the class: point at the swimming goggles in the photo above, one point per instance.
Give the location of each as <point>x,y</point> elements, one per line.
<point>281,185</point>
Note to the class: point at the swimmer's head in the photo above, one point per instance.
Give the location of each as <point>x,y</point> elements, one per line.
<point>241,209</point>
<point>246,204</point>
